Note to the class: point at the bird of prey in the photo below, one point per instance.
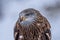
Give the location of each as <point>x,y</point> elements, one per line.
<point>31,25</point>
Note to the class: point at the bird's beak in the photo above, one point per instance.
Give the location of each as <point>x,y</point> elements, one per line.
<point>22,18</point>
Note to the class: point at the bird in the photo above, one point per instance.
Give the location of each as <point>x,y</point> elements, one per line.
<point>32,25</point>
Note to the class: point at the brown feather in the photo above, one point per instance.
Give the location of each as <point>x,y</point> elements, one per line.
<point>38,30</point>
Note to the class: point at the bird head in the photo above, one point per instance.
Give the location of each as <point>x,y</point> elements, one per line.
<point>27,16</point>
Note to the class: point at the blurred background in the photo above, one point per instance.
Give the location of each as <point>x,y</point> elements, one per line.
<point>10,9</point>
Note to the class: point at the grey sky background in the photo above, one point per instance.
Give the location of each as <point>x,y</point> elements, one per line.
<point>10,9</point>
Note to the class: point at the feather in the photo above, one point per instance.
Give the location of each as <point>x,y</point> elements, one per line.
<point>32,26</point>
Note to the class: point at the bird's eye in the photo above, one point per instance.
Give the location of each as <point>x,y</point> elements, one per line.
<point>30,14</point>
<point>27,14</point>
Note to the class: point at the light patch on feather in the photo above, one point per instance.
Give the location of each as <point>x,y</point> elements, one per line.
<point>48,35</point>
<point>39,38</point>
<point>15,34</point>
<point>38,24</point>
<point>21,36</point>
